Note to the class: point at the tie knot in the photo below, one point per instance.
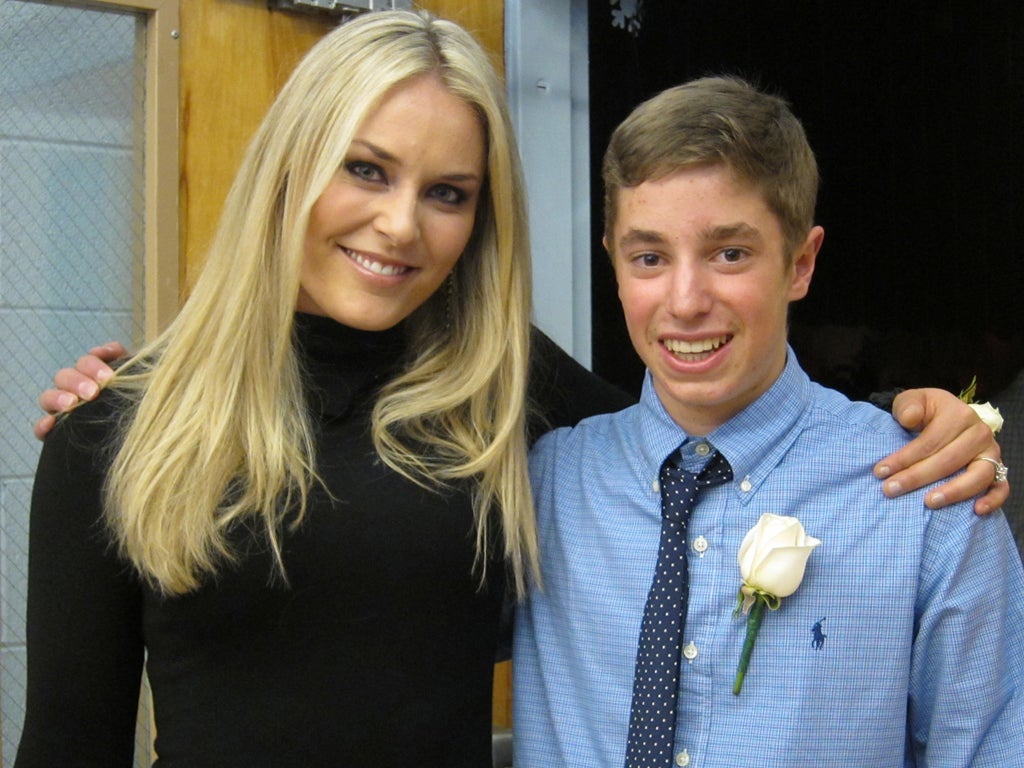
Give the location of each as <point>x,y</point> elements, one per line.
<point>686,484</point>
<point>715,472</point>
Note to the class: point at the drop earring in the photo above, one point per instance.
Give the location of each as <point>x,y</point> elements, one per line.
<point>449,301</point>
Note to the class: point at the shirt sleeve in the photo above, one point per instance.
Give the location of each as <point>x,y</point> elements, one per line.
<point>84,631</point>
<point>966,705</point>
<point>562,392</point>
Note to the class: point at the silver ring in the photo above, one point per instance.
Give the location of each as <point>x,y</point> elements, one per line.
<point>1001,469</point>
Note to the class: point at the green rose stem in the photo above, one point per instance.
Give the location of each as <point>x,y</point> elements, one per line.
<point>753,625</point>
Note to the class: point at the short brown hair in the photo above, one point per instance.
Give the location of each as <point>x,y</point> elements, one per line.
<point>718,120</point>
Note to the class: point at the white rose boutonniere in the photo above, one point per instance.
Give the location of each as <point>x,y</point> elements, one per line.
<point>987,412</point>
<point>772,560</point>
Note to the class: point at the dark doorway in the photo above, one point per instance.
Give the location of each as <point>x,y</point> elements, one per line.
<point>916,112</point>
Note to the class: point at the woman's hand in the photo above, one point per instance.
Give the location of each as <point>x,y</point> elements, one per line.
<point>951,437</point>
<point>76,385</point>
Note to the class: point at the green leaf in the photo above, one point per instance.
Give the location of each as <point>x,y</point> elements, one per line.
<point>967,395</point>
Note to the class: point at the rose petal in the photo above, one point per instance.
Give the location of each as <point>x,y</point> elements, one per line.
<point>780,572</point>
<point>989,414</point>
<point>770,532</point>
<point>787,534</point>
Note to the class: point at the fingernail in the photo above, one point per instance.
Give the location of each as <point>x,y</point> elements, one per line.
<point>103,375</point>
<point>936,499</point>
<point>893,488</point>
<point>88,390</point>
<point>883,471</point>
<point>65,400</point>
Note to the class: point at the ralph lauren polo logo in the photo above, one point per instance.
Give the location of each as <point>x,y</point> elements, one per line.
<point>819,636</point>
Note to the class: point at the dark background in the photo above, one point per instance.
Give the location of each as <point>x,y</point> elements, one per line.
<point>916,113</point>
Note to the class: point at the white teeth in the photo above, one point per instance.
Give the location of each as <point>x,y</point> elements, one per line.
<point>375,266</point>
<point>679,347</point>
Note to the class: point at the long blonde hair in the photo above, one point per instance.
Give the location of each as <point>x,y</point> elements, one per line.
<point>219,430</point>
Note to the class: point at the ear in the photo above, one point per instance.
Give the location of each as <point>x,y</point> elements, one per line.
<point>611,256</point>
<point>803,264</point>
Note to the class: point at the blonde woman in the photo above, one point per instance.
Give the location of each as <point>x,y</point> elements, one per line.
<point>305,522</point>
<point>305,502</point>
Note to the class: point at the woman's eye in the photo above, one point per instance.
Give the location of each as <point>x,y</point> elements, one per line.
<point>364,171</point>
<point>448,194</point>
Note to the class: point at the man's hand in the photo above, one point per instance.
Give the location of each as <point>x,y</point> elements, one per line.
<point>951,437</point>
<point>75,385</point>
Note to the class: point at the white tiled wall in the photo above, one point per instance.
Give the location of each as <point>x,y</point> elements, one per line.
<point>70,241</point>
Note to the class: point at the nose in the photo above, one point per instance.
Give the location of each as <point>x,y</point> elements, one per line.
<point>397,216</point>
<point>689,290</point>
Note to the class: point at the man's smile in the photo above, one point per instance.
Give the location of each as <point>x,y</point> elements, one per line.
<point>695,351</point>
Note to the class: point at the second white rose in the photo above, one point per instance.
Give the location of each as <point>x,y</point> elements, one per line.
<point>989,414</point>
<point>773,555</point>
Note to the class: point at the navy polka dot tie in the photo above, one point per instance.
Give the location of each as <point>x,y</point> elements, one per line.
<point>652,721</point>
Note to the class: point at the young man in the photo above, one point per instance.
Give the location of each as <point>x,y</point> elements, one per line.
<point>904,642</point>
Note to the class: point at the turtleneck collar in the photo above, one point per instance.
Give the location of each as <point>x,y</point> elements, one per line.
<point>342,363</point>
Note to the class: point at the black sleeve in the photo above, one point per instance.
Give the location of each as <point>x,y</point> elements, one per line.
<point>562,392</point>
<point>84,632</point>
<point>884,400</point>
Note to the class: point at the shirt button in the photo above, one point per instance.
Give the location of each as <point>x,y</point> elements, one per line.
<point>703,449</point>
<point>700,545</point>
<point>683,759</point>
<point>746,485</point>
<point>656,486</point>
<point>690,651</point>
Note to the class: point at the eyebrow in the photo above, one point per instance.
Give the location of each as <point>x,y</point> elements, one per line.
<point>640,237</point>
<point>383,154</point>
<point>716,234</point>
<point>739,229</point>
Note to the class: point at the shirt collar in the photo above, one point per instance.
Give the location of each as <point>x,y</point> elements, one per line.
<point>753,441</point>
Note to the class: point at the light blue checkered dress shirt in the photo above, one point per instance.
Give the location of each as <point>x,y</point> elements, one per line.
<point>921,612</point>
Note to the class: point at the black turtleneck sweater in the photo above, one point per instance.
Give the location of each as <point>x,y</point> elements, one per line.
<point>377,652</point>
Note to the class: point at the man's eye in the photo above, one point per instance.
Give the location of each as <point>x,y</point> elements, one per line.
<point>732,255</point>
<point>649,259</point>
